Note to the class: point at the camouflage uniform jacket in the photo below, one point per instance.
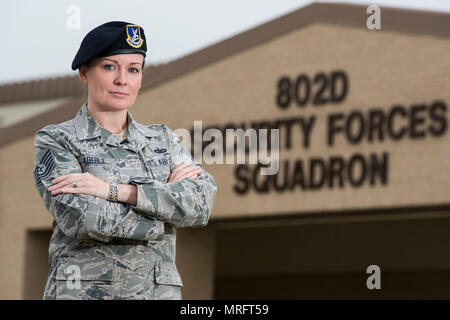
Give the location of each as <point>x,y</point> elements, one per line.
<point>106,250</point>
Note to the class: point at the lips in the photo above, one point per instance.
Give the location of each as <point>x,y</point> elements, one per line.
<point>119,93</point>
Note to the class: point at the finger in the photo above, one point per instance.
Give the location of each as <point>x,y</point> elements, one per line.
<point>193,176</point>
<point>60,184</point>
<point>66,186</point>
<point>180,167</point>
<point>199,169</point>
<point>180,171</point>
<point>183,164</point>
<point>191,168</point>
<point>61,178</point>
<point>185,171</point>
<point>178,176</point>
<point>65,190</point>
<point>66,177</point>
<point>67,181</point>
<point>188,175</point>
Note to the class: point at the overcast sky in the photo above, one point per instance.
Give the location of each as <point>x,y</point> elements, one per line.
<point>37,41</point>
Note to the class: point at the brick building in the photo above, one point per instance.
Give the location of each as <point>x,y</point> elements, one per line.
<point>364,172</point>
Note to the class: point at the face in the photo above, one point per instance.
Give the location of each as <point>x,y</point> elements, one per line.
<point>114,81</point>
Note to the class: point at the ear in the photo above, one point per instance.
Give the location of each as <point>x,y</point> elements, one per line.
<point>82,73</point>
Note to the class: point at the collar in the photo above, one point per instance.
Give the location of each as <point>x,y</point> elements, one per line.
<point>86,127</point>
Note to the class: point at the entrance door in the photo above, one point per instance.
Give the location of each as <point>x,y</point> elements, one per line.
<point>328,258</point>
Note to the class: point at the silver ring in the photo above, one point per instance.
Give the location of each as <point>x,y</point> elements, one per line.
<point>74,184</point>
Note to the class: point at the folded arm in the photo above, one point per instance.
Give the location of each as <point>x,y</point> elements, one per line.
<point>81,215</point>
<point>187,202</point>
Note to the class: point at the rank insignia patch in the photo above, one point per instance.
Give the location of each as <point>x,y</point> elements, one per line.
<point>134,36</point>
<point>45,167</point>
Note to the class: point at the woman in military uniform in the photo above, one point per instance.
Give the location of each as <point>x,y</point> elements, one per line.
<point>117,190</point>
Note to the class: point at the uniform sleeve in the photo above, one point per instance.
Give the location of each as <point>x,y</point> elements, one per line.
<point>84,216</point>
<point>184,203</point>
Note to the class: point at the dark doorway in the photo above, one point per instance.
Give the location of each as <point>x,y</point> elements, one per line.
<point>328,258</point>
<point>36,263</point>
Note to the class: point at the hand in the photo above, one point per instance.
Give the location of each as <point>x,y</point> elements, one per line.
<point>184,170</point>
<point>86,184</point>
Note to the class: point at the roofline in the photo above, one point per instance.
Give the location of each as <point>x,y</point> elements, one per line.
<point>31,125</point>
<point>393,19</point>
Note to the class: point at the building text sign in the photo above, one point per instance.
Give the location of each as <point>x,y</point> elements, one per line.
<point>324,124</point>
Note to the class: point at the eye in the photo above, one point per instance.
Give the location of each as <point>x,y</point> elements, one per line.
<point>108,67</point>
<point>134,70</point>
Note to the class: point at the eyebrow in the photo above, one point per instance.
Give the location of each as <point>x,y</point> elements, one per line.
<point>139,63</point>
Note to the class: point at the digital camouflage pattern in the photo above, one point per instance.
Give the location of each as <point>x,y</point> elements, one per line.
<point>105,250</point>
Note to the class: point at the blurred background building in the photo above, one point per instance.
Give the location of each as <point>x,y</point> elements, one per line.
<point>364,172</point>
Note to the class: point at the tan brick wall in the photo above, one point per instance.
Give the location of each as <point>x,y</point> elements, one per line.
<point>21,209</point>
<point>384,68</point>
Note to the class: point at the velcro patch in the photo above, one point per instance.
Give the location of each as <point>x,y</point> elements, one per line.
<point>157,162</point>
<point>158,150</point>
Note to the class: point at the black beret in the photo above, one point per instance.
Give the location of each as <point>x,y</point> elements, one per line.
<point>108,39</point>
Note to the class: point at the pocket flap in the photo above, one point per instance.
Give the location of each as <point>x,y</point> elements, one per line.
<point>166,273</point>
<point>92,269</point>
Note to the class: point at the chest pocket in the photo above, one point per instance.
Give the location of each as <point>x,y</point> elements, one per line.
<point>160,167</point>
<point>101,167</point>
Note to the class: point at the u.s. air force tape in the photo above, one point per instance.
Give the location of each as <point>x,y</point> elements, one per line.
<point>45,167</point>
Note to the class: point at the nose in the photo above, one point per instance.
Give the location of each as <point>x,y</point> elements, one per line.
<point>121,77</point>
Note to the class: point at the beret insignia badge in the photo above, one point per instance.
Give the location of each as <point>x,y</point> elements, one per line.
<point>134,36</point>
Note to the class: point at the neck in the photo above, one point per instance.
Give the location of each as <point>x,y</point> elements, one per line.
<point>114,121</point>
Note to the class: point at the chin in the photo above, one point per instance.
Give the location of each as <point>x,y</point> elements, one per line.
<point>119,105</point>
